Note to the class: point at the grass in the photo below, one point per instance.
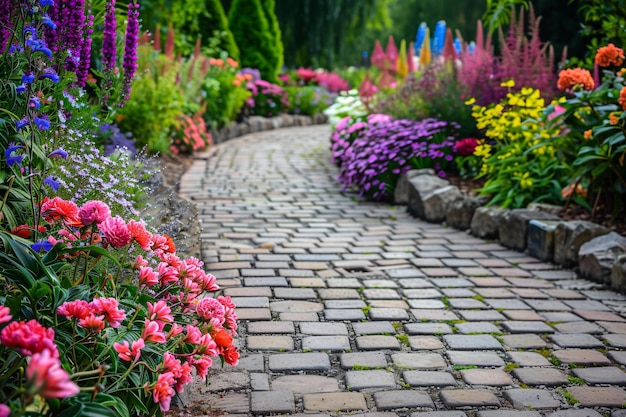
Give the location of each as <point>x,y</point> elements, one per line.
<point>575,380</point>
<point>510,366</point>
<point>571,400</point>
<point>463,367</point>
<point>366,309</point>
<point>404,339</point>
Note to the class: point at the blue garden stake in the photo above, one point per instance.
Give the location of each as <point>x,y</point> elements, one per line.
<point>419,38</point>
<point>439,38</point>
<point>457,46</point>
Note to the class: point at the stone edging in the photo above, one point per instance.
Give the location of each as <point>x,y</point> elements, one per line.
<point>258,124</point>
<point>593,250</point>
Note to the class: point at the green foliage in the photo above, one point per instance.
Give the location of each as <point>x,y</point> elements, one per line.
<point>252,33</point>
<point>307,100</point>
<point>155,103</point>
<point>277,49</point>
<point>224,92</point>
<point>498,12</point>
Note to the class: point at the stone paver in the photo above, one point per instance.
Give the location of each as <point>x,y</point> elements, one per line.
<point>342,303</point>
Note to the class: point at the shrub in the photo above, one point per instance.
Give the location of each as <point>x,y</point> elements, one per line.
<point>519,166</point>
<point>267,99</point>
<point>348,103</point>
<point>224,92</point>
<point>308,100</point>
<point>212,22</point>
<point>277,50</point>
<point>251,30</point>
<point>387,149</point>
<point>190,135</point>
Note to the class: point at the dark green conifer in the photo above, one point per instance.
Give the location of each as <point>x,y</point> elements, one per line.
<point>274,28</point>
<point>213,18</point>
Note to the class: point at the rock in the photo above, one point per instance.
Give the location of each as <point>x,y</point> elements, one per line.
<point>618,274</point>
<point>422,186</point>
<point>436,204</point>
<point>596,257</point>
<point>570,236</point>
<point>541,238</point>
<point>401,192</point>
<point>513,228</point>
<point>547,208</point>
<point>486,222</point>
<point>461,211</point>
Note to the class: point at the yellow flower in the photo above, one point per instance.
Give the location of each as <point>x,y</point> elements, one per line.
<point>484,150</point>
<point>509,83</point>
<point>470,101</point>
<point>525,181</point>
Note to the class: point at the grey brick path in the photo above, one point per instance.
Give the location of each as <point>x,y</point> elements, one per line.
<point>354,308</point>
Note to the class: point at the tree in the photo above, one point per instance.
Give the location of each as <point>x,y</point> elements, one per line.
<point>274,28</point>
<point>213,19</point>
<point>253,37</point>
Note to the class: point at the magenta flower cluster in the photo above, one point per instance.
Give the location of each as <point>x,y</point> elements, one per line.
<point>108,37</point>
<point>130,49</point>
<point>384,149</point>
<point>267,99</point>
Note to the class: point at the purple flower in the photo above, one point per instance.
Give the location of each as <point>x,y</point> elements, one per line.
<point>42,122</point>
<point>34,102</point>
<point>59,153</point>
<point>52,183</point>
<point>85,54</point>
<point>130,49</point>
<point>42,245</point>
<point>108,36</point>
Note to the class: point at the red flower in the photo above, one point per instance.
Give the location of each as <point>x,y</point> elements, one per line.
<point>231,355</point>
<point>152,332</point>
<point>223,339</point>
<point>25,231</point>
<point>79,309</point>
<point>45,373</point>
<point>570,78</point>
<point>609,55</point>
<point>306,74</point>
<point>92,323</point>
<point>59,209</point>
<point>466,146</point>
<point>140,234</point>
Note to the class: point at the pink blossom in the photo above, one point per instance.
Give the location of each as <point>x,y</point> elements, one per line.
<point>115,231</point>
<point>209,308</point>
<point>207,346</point>
<point>44,372</point>
<point>4,314</point>
<point>167,273</point>
<point>152,332</point>
<point>160,312</point>
<point>163,390</point>
<point>92,323</point>
<point>139,262</point>
<point>202,365</point>
<point>193,335</point>
<point>78,309</point>
<point>147,276</point>
<point>175,330</point>
<point>28,338</point>
<point>185,376</point>
<point>108,307</point>
<point>131,353</point>
<point>94,211</point>
<point>342,123</point>
<point>191,286</point>
<point>59,209</point>
<point>4,410</point>
<point>159,242</point>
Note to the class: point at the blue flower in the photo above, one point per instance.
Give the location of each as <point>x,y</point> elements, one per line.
<point>42,244</point>
<point>41,123</point>
<point>45,19</point>
<point>20,124</point>
<point>39,46</point>
<point>28,78</point>
<point>34,102</point>
<point>52,182</point>
<point>51,75</point>
<point>13,159</point>
<point>20,88</point>
<point>59,153</point>
<point>44,3</point>
<point>30,33</point>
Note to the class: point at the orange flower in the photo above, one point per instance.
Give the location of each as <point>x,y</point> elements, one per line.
<point>219,62</point>
<point>232,62</point>
<point>587,135</point>
<point>622,98</point>
<point>236,82</point>
<point>614,118</point>
<point>570,78</point>
<point>609,55</point>
<point>570,189</point>
<point>247,77</point>
<point>212,61</point>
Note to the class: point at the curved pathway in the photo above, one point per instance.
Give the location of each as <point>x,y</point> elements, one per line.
<point>350,307</point>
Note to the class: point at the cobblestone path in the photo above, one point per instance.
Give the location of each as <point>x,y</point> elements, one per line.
<point>350,307</point>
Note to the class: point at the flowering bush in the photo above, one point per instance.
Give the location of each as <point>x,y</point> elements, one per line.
<point>225,92</point>
<point>267,99</point>
<point>519,165</point>
<point>346,104</point>
<point>308,100</point>
<point>386,148</point>
<point>108,331</point>
<point>595,122</point>
<point>190,135</point>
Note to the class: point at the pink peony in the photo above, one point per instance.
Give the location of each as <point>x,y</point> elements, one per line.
<point>210,308</point>
<point>59,209</point>
<point>465,146</point>
<point>4,410</point>
<point>94,211</point>
<point>92,323</point>
<point>28,338</point>
<point>4,314</point>
<point>78,309</point>
<point>45,373</point>
<point>115,231</point>
<point>108,307</point>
